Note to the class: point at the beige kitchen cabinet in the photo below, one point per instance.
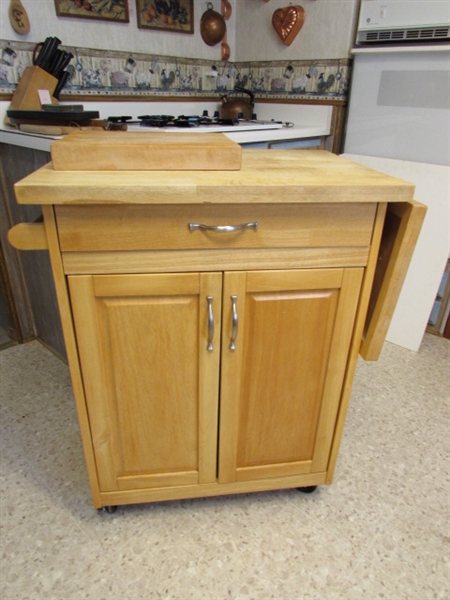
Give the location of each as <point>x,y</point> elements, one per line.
<point>213,320</point>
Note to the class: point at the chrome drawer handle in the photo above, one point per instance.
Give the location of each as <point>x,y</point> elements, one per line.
<point>234,327</point>
<point>223,228</point>
<point>209,347</point>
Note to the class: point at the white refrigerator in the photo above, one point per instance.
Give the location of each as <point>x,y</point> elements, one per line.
<point>399,122</point>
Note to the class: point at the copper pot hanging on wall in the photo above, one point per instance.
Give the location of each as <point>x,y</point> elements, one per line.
<point>212,26</point>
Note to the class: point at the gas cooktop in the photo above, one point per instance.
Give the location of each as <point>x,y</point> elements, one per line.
<point>195,123</point>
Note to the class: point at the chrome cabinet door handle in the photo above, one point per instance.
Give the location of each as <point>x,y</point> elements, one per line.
<point>209,347</point>
<point>223,228</point>
<point>234,327</point>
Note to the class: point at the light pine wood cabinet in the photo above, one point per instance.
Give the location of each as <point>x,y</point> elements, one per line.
<point>213,321</point>
<point>154,368</point>
<point>151,385</point>
<point>280,388</point>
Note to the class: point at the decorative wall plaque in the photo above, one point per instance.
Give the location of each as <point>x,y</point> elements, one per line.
<point>287,22</point>
<point>93,9</point>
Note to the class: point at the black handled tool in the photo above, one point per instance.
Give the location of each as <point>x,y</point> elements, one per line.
<point>61,83</point>
<point>44,52</point>
<point>60,61</point>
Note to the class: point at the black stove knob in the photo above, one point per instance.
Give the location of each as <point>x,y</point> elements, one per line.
<point>254,117</point>
<point>240,115</point>
<point>205,113</point>
<point>119,119</point>
<point>216,114</point>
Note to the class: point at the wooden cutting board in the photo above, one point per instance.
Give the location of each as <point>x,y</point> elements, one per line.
<point>142,151</point>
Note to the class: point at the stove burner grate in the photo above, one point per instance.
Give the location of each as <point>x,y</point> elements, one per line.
<point>192,121</point>
<point>184,121</point>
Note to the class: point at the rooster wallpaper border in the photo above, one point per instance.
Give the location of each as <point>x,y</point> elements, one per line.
<point>111,74</point>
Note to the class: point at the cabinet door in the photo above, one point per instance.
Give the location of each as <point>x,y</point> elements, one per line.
<point>281,386</point>
<point>150,381</point>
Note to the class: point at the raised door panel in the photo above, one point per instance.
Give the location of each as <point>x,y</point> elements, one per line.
<point>280,388</point>
<point>150,382</point>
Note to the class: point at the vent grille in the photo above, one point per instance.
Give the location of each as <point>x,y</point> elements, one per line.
<point>404,35</point>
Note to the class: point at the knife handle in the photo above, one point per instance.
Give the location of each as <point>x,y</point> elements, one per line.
<point>61,83</point>
<point>46,52</point>
<point>36,49</point>
<point>56,58</point>
<point>60,64</point>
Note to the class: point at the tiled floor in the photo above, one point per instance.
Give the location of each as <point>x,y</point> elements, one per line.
<point>5,340</point>
<point>380,531</point>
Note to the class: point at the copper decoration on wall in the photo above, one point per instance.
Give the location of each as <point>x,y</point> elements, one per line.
<point>287,22</point>
<point>226,14</point>
<point>212,26</point>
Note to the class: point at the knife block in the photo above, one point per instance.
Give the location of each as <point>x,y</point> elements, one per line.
<point>26,96</point>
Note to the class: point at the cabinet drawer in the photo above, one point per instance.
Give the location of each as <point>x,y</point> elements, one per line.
<point>156,227</point>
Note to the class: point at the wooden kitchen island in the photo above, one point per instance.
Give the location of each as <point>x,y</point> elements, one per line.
<point>213,319</point>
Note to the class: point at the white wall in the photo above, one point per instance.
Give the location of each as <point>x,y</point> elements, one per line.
<point>328,31</point>
<point>104,35</point>
<point>430,256</point>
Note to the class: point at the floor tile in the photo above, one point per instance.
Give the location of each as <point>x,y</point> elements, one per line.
<point>380,531</point>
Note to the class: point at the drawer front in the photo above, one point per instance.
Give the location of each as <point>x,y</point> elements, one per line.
<point>156,227</point>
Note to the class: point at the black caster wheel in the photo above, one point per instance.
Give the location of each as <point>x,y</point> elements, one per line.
<point>110,509</point>
<point>308,490</point>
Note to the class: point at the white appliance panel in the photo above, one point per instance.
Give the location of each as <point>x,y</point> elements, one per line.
<point>402,13</point>
<point>399,123</point>
<point>400,107</point>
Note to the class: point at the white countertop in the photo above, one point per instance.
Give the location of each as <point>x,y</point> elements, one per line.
<point>309,121</point>
<point>43,142</point>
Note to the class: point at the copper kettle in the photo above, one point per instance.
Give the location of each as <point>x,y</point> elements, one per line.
<point>232,108</point>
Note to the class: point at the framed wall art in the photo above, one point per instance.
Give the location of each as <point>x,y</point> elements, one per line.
<point>166,15</point>
<point>102,10</point>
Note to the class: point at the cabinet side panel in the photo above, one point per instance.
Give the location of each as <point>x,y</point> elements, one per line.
<point>364,298</point>
<point>72,350</point>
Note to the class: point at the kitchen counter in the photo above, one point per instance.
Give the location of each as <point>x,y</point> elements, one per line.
<point>279,176</point>
<point>310,121</point>
<point>43,142</point>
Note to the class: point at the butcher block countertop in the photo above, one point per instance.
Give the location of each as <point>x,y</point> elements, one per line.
<point>275,176</point>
